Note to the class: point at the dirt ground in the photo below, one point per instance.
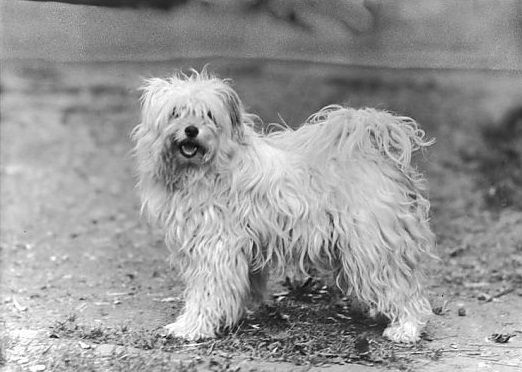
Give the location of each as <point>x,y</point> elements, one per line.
<point>86,283</point>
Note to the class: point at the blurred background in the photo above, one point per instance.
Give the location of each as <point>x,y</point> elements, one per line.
<point>401,33</point>
<point>70,227</point>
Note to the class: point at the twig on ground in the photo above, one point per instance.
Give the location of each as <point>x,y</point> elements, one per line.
<point>504,292</point>
<point>47,349</point>
<point>211,348</point>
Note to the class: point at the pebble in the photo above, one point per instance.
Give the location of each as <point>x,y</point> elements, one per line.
<point>462,311</point>
<point>37,368</point>
<point>105,350</point>
<point>84,345</point>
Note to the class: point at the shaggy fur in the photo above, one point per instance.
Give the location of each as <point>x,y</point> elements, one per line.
<point>338,195</point>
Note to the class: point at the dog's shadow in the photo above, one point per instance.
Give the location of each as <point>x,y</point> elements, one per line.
<point>308,322</point>
<point>313,301</point>
<point>306,318</point>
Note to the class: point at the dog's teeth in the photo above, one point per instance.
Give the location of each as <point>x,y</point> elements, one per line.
<point>189,149</point>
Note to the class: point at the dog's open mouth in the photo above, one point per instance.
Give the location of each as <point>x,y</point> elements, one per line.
<point>188,148</point>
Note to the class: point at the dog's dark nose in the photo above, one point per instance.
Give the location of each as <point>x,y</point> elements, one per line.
<point>191,131</point>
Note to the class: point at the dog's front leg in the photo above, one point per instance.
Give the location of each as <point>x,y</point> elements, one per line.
<point>217,291</point>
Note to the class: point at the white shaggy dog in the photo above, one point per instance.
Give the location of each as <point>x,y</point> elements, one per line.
<point>337,195</point>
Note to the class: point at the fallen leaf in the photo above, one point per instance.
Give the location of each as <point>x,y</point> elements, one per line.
<point>18,306</point>
<point>500,338</point>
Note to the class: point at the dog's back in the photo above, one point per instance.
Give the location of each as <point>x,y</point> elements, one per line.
<point>346,133</point>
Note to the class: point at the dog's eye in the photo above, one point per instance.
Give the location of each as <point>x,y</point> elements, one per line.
<point>210,116</point>
<point>175,113</point>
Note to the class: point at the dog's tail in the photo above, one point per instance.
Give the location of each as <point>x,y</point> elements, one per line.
<point>361,132</point>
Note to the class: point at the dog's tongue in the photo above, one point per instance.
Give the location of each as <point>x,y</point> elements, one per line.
<point>189,149</point>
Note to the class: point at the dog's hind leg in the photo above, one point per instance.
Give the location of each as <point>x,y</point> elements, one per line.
<point>390,293</point>
<point>380,266</point>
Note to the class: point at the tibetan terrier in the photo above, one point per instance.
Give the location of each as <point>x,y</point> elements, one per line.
<point>338,196</point>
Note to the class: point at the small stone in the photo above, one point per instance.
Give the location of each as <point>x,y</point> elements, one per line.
<point>484,297</point>
<point>461,311</point>
<point>84,345</point>
<point>105,350</point>
<point>37,368</point>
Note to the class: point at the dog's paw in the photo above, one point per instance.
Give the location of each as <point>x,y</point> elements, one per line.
<point>180,329</point>
<point>405,332</point>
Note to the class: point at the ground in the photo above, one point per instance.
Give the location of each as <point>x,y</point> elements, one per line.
<point>86,283</point>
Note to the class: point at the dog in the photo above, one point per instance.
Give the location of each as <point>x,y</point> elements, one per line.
<point>338,196</point>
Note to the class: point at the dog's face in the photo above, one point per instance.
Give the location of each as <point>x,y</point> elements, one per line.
<point>191,137</point>
<point>187,122</point>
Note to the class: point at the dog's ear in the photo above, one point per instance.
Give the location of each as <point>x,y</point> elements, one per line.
<point>153,99</point>
<point>235,110</point>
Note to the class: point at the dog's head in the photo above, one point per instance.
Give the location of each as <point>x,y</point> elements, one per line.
<point>187,122</point>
